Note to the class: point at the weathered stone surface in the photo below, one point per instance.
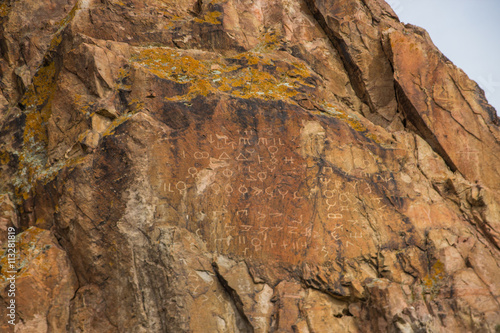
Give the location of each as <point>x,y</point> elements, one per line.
<point>246,166</point>
<point>45,283</point>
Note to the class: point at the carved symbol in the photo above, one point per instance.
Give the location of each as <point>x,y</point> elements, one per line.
<point>217,188</point>
<point>334,216</point>
<point>244,141</point>
<point>192,171</point>
<point>201,154</point>
<point>283,193</point>
<point>299,221</point>
<point>246,227</point>
<point>329,204</point>
<point>343,197</point>
<point>241,157</point>
<point>334,235</point>
<point>260,159</point>
<point>169,187</point>
<point>262,176</point>
<point>289,160</point>
<point>260,216</point>
<point>263,230</point>
<point>181,186</point>
<point>256,243</point>
<point>273,149</point>
<point>355,184</point>
<point>356,235</point>
<point>295,196</point>
<point>243,189</point>
<point>328,169</point>
<point>271,193</point>
<point>224,156</point>
<point>257,190</point>
<point>230,227</point>
<point>325,251</point>
<point>329,193</point>
<point>271,168</point>
<point>263,141</point>
<point>324,180</point>
<point>211,139</point>
<point>242,212</point>
<point>228,173</point>
<point>292,230</point>
<point>229,189</point>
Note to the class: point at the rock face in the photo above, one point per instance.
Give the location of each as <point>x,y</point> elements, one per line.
<point>243,166</point>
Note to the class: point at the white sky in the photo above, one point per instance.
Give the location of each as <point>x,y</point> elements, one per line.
<point>466,31</point>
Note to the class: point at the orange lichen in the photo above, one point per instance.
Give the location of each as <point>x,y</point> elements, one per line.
<point>4,157</point>
<point>434,279</point>
<point>4,9</point>
<point>70,16</point>
<point>210,17</point>
<point>354,123</point>
<point>26,251</point>
<point>247,80</point>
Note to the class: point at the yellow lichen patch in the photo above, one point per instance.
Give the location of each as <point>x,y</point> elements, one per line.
<point>81,104</point>
<point>37,101</point>
<point>4,9</point>
<point>270,41</point>
<point>4,157</point>
<point>26,251</point>
<point>354,123</point>
<point>432,281</point>
<point>117,122</point>
<point>41,88</point>
<point>210,17</point>
<point>373,137</point>
<point>70,15</point>
<point>248,79</point>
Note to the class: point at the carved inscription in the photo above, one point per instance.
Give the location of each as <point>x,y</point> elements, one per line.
<point>258,193</point>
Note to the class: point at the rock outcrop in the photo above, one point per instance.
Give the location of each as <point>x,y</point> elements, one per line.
<point>243,166</point>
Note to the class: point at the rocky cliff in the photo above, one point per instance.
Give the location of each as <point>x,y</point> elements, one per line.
<point>242,166</point>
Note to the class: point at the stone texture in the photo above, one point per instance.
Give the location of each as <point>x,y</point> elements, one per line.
<point>244,166</point>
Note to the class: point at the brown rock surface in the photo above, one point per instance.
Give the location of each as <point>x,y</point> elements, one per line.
<point>244,166</point>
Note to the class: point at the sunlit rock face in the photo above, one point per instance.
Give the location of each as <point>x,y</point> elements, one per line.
<point>243,166</point>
